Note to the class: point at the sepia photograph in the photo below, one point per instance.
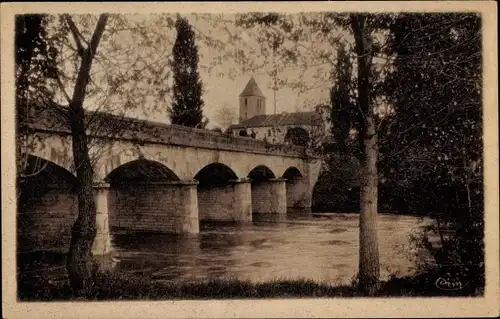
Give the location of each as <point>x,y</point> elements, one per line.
<point>187,154</point>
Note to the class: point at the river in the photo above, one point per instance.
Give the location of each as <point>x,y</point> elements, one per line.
<point>321,247</point>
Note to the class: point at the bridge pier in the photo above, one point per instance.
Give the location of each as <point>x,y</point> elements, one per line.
<point>102,241</point>
<point>189,221</point>
<point>298,193</point>
<point>269,196</point>
<point>166,206</point>
<point>242,200</point>
<point>230,202</point>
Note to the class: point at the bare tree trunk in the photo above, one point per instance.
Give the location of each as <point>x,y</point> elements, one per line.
<point>369,265</point>
<point>84,230</point>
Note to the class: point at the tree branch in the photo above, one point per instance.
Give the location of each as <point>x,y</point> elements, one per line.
<point>61,86</point>
<point>83,74</point>
<point>96,37</point>
<point>76,34</point>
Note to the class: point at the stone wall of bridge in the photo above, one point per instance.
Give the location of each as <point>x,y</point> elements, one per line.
<point>298,194</point>
<point>175,205</point>
<point>46,220</point>
<point>144,207</point>
<point>168,207</point>
<point>230,203</point>
<point>157,207</point>
<point>138,131</point>
<point>269,196</point>
<point>110,154</point>
<point>187,162</point>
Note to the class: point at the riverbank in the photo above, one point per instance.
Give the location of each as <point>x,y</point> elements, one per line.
<point>122,286</point>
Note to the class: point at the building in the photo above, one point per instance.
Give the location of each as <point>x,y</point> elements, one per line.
<point>274,128</point>
<point>252,101</point>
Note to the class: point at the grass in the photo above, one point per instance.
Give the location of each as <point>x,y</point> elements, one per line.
<point>126,287</point>
<point>118,285</point>
<point>122,286</point>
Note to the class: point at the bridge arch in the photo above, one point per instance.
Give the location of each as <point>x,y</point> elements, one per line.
<point>221,195</point>
<point>291,173</point>
<point>47,205</point>
<point>141,170</point>
<point>215,175</point>
<point>119,154</point>
<point>36,167</point>
<point>53,155</point>
<point>297,188</point>
<point>143,196</point>
<point>261,172</point>
<point>268,192</point>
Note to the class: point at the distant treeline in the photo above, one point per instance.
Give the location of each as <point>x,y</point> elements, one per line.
<point>337,190</point>
<point>347,200</point>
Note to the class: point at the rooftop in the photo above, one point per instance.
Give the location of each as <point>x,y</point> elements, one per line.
<point>252,89</point>
<point>297,118</point>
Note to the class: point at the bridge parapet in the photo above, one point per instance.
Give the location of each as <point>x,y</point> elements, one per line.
<point>140,131</point>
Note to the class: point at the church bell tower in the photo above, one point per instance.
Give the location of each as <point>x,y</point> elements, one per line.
<point>252,101</point>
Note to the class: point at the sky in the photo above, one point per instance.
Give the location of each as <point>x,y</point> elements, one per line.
<point>223,90</point>
<point>215,67</point>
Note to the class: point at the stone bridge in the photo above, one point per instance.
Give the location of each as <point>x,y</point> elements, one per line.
<point>156,177</point>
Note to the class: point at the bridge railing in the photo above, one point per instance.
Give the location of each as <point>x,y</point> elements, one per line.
<point>140,131</point>
<point>186,136</point>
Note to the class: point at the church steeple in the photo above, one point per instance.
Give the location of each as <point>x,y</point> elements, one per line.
<point>252,101</point>
<point>252,89</point>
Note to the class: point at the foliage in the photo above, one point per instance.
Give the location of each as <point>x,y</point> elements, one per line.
<point>429,140</point>
<point>129,73</point>
<point>440,131</point>
<point>131,70</point>
<point>297,136</point>
<point>300,43</point>
<point>387,71</point>
<point>35,58</point>
<point>226,116</point>
<point>35,61</point>
<point>243,132</point>
<point>337,188</point>
<point>73,43</point>
<point>362,28</point>
<point>342,106</point>
<point>187,101</point>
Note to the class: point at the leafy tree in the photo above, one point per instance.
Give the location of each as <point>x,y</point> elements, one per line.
<point>338,181</point>
<point>297,136</point>
<point>187,102</point>
<point>388,123</point>
<point>440,130</point>
<point>243,132</point>
<point>84,229</point>
<point>76,58</point>
<point>362,28</point>
<point>226,116</point>
<point>406,130</point>
<point>35,61</point>
<point>342,102</point>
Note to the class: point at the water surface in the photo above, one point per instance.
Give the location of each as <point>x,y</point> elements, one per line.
<point>321,247</point>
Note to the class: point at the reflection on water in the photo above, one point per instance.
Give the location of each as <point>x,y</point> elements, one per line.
<point>321,247</point>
